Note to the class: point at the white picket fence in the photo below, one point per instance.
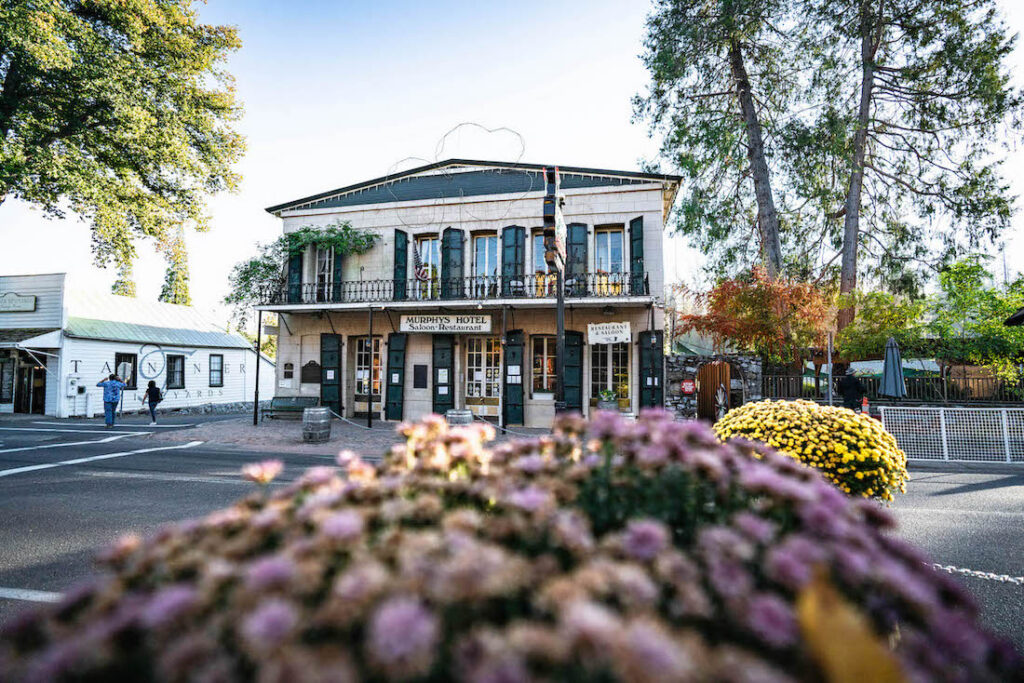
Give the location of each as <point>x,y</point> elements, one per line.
<point>964,434</point>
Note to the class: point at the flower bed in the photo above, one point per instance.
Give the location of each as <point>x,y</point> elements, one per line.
<point>851,449</point>
<point>644,551</point>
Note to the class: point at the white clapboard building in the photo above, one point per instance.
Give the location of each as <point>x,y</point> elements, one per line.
<point>58,341</point>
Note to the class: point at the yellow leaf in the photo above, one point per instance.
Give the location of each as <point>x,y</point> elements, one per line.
<point>840,638</point>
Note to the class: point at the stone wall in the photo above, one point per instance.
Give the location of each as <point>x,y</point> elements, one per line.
<point>746,380</point>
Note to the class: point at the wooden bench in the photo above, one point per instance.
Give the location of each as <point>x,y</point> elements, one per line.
<point>289,405</point>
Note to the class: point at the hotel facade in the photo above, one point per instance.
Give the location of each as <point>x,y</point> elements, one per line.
<point>454,305</point>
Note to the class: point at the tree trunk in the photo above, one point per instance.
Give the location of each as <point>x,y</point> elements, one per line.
<point>851,224</point>
<point>767,217</point>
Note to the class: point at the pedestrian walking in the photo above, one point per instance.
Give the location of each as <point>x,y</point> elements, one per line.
<point>851,389</point>
<point>153,396</point>
<point>112,388</point>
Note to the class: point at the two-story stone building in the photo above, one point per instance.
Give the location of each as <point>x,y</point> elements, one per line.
<point>454,306</point>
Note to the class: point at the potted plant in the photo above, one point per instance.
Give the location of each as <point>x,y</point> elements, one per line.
<point>607,400</point>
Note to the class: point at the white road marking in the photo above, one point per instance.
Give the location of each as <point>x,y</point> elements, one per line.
<point>153,476</point>
<point>106,456</point>
<point>67,431</point>
<point>100,425</point>
<point>30,595</point>
<point>65,443</point>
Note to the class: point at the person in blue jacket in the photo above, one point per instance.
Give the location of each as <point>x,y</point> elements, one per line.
<point>112,388</point>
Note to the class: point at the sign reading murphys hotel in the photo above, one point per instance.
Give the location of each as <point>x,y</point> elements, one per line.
<point>445,323</point>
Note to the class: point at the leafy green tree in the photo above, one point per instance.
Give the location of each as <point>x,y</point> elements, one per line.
<point>175,289</point>
<point>119,111</point>
<point>718,85</point>
<point>252,281</point>
<point>909,100</point>
<point>881,315</point>
<point>124,285</point>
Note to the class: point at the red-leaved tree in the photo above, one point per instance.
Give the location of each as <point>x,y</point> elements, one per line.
<point>774,318</point>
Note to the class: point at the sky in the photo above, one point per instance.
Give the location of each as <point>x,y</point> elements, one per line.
<point>340,92</point>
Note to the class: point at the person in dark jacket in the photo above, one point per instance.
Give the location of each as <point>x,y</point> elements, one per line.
<point>851,389</point>
<point>153,397</point>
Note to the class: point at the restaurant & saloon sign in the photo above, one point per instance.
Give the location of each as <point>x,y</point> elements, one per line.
<point>446,323</point>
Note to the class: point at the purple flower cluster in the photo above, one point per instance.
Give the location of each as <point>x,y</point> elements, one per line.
<point>457,561</point>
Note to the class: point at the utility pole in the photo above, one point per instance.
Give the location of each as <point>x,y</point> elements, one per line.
<point>256,393</point>
<point>554,255</point>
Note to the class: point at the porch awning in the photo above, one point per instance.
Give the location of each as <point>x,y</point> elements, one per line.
<point>29,338</point>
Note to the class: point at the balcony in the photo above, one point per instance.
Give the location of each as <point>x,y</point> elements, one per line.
<point>478,288</point>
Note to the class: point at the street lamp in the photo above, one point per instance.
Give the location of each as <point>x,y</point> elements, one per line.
<point>554,255</point>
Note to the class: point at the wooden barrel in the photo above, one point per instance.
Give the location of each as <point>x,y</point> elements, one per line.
<point>316,425</point>
<point>459,417</point>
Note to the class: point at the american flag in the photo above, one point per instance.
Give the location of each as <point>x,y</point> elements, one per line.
<point>417,263</point>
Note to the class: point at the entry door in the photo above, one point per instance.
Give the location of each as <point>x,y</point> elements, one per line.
<point>572,368</point>
<point>330,372</point>
<point>39,390</point>
<point>483,376</point>
<point>444,373</point>
<point>23,390</point>
<point>652,363</point>
<point>513,398</point>
<point>395,397</point>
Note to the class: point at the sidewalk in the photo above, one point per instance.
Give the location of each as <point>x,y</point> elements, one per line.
<point>285,436</point>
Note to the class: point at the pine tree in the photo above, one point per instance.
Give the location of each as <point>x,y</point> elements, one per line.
<point>175,289</point>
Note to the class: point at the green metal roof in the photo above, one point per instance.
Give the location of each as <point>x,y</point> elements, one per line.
<point>112,330</point>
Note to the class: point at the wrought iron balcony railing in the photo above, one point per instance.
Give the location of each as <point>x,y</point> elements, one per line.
<point>482,288</point>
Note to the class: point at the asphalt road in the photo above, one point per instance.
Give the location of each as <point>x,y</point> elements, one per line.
<point>55,514</point>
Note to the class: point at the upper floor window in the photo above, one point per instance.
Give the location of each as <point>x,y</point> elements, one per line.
<point>485,256</point>
<point>540,264</point>
<point>608,250</point>
<point>324,272</point>
<point>427,265</point>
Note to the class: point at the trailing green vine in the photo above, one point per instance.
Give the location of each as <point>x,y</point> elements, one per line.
<point>251,280</point>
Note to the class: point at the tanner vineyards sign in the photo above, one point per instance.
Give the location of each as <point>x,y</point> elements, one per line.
<point>17,303</point>
<point>446,323</point>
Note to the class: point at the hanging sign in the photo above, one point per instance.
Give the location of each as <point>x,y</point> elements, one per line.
<point>608,333</point>
<point>689,386</point>
<point>445,323</point>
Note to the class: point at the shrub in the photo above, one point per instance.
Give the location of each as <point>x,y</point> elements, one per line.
<point>852,450</point>
<point>646,552</point>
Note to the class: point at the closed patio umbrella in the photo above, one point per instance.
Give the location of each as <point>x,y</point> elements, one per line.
<point>892,383</point>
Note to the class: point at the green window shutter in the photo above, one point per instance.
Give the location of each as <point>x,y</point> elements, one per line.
<point>637,276</point>
<point>576,259</point>
<point>572,370</point>
<point>652,369</point>
<point>512,402</point>
<point>401,264</point>
<point>452,269</point>
<point>295,278</point>
<point>394,395</point>
<point>513,260</point>
<point>330,372</point>
<point>336,289</point>
<point>444,369</point>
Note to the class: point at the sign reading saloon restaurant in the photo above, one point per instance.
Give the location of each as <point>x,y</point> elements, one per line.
<point>445,323</point>
<point>608,333</point>
<point>17,303</point>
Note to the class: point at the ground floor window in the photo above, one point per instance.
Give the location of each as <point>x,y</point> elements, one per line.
<point>367,368</point>
<point>543,364</point>
<point>132,377</point>
<point>609,370</point>
<point>483,367</point>
<point>216,370</point>
<point>175,372</point>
